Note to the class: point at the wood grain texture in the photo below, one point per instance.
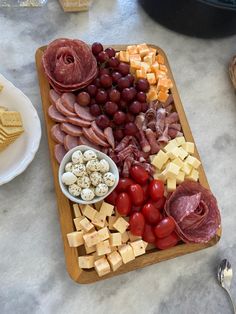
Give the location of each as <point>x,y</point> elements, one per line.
<point>65,207</point>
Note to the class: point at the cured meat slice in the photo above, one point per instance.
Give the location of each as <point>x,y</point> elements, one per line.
<point>173,117</point>
<point>151,137</point>
<point>68,100</point>
<point>195,211</point>
<point>71,129</point>
<point>69,64</point>
<point>91,136</point>
<point>63,110</point>
<point>59,152</point>
<point>70,142</point>
<point>160,121</point>
<point>164,138</point>
<point>55,115</point>
<point>84,141</point>
<point>109,136</point>
<point>98,131</point>
<point>79,122</point>
<point>57,134</point>
<point>53,96</point>
<point>83,112</point>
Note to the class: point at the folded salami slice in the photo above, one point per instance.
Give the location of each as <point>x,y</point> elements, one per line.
<point>195,211</point>
<point>69,64</point>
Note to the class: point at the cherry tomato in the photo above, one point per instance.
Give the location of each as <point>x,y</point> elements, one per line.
<point>123,204</point>
<point>111,198</point>
<point>151,214</point>
<point>136,194</point>
<point>124,184</point>
<point>167,242</point>
<point>139,174</point>
<point>136,224</point>
<point>148,234</point>
<point>159,204</point>
<point>156,189</point>
<point>165,227</point>
<point>146,192</point>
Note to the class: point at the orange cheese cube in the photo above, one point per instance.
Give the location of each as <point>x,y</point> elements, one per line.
<point>145,66</point>
<point>153,50</point>
<point>151,78</point>
<point>155,66</point>
<point>163,68</point>
<point>135,64</point>
<point>149,59</point>
<point>140,73</point>
<point>135,57</point>
<point>152,94</point>
<point>143,49</point>
<point>124,56</point>
<point>162,96</point>
<point>132,49</point>
<point>160,74</point>
<point>164,84</point>
<point>160,59</point>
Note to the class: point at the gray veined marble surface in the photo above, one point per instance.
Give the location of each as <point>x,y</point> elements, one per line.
<point>33,278</point>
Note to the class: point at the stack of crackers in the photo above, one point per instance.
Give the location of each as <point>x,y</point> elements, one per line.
<point>11,127</point>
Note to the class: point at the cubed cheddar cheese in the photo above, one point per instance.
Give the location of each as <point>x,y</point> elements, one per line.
<point>111,221</point>
<point>160,74</point>
<point>126,253</point>
<point>82,207</point>
<point>89,212</point>
<point>135,64</point>
<point>133,237</point>
<point>121,224</point>
<point>160,159</point>
<point>91,238</point>
<point>180,140</point>
<point>103,248</point>
<point>124,237</point>
<point>103,234</point>
<point>95,255</point>
<point>160,59</point>
<point>133,57</point>
<point>182,153</point>
<point>86,224</point>
<point>186,168</point>
<point>143,52</point>
<point>75,239</point>
<point>170,146</point>
<point>124,56</point>
<point>77,224</point>
<point>102,266</point>
<point>132,49</point>
<point>99,220</point>
<point>148,59</point>
<point>89,250</point>
<point>86,262</point>
<point>193,161</point>
<point>174,153</point>
<point>188,147</point>
<point>151,94</point>
<point>171,184</point>
<point>76,210</point>
<point>115,239</point>
<point>171,171</point>
<point>145,67</point>
<point>138,247</point>
<point>178,162</point>
<point>180,177</point>
<point>141,73</point>
<point>106,209</point>
<point>151,78</point>
<point>162,96</point>
<point>155,67</point>
<point>115,260</point>
<point>194,175</point>
<point>98,205</point>
<point>153,50</point>
<point>163,68</point>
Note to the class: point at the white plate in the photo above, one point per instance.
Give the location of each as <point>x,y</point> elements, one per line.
<point>17,156</point>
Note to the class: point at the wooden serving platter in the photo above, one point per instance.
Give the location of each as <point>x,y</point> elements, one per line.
<point>66,214</point>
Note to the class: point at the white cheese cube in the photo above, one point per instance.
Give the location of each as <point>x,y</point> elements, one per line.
<point>171,185</point>
<point>121,225</point>
<point>189,147</point>
<point>115,260</point>
<point>86,261</point>
<point>133,237</point>
<point>138,247</point>
<point>89,249</point>
<point>126,253</point>
<point>180,140</point>
<point>102,266</point>
<point>160,176</point>
<point>98,205</point>
<point>180,177</point>
<point>194,162</point>
<point>170,146</point>
<point>76,210</point>
<point>86,224</point>
<point>106,209</point>
<point>99,220</point>
<point>172,171</point>
<point>178,162</point>
<point>75,239</point>
<point>91,238</point>
<point>103,234</point>
<point>174,153</point>
<point>160,159</point>
<point>194,175</point>
<point>111,221</point>
<point>115,239</point>
<point>103,248</point>
<point>89,212</point>
<point>124,237</point>
<point>77,224</point>
<point>96,256</point>
<point>186,168</point>
<point>82,207</point>
<point>182,153</point>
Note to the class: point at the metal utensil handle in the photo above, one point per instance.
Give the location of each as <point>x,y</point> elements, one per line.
<point>231,299</point>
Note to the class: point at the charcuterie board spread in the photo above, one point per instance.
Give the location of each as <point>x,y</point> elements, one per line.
<point>156,203</point>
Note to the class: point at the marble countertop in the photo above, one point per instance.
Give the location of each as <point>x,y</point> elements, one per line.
<point>32,268</point>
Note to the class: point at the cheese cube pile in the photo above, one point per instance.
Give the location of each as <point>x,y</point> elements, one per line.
<point>146,63</point>
<point>175,163</point>
<point>103,233</point>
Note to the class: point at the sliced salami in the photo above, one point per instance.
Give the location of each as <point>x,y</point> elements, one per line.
<point>55,115</point>
<point>53,96</point>
<point>83,112</point>
<point>84,141</point>
<point>57,134</point>
<point>68,100</point>
<point>79,122</point>
<point>59,152</point>
<point>71,129</point>
<point>70,142</point>
<point>63,110</point>
<point>92,137</point>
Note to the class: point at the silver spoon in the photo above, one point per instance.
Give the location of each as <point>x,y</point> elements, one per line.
<point>225,275</point>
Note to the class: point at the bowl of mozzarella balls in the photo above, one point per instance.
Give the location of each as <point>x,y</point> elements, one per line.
<point>87,175</point>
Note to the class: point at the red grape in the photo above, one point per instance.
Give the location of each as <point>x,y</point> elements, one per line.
<point>114,95</point>
<point>131,78</point>
<point>135,107</point>
<point>123,68</point>
<point>106,80</point>
<point>96,48</point>
<point>141,96</point>
<point>97,82</point>
<point>130,129</point>
<point>103,56</point>
<point>101,96</point>
<point>118,134</point>
<point>95,110</point>
<point>83,99</point>
<point>102,121</point>
<point>133,91</point>
<point>142,85</point>
<point>113,62</point>
<point>123,104</point>
<point>111,52</point>
<point>92,101</point>
<point>119,117</point>
<point>129,117</point>
<point>116,76</point>
<point>144,107</point>
<point>92,90</point>
<point>110,108</point>
<point>123,82</point>
<point>103,71</point>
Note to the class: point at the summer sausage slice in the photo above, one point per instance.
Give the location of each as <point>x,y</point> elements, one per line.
<point>91,136</point>
<point>79,122</point>
<point>70,142</point>
<point>68,100</point>
<point>57,134</point>
<point>63,110</point>
<point>83,112</point>
<point>98,131</point>
<point>84,141</point>
<point>71,129</point>
<point>59,152</point>
<point>55,115</point>
<point>53,96</point>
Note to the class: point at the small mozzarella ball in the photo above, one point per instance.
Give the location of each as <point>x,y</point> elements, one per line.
<point>89,155</point>
<point>109,179</point>
<point>68,167</point>
<point>101,189</point>
<point>87,194</point>
<point>74,190</point>
<point>104,166</point>
<point>85,182</point>
<point>68,178</point>
<point>96,178</point>
<point>77,157</point>
<point>79,170</point>
<point>93,165</point>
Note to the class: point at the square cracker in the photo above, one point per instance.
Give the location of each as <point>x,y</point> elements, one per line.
<point>10,131</point>
<point>10,118</point>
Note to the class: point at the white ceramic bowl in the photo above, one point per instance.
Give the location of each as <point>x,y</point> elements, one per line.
<point>67,158</point>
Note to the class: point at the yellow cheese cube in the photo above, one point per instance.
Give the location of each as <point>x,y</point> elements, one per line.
<point>98,205</point>
<point>160,159</point>
<point>140,73</point>
<point>178,162</point>
<point>162,96</point>
<point>82,207</point>
<point>133,237</point>
<point>138,247</point>
<point>106,209</point>
<point>115,239</point>
<point>99,220</point>
<point>86,261</point>
<point>124,56</point>
<point>124,237</point>
<point>160,176</point>
<point>77,224</point>
<point>111,221</point>
<point>182,153</point>
<point>148,59</point>
<point>189,147</point>
<point>103,234</point>
<point>76,210</point>
<point>160,74</point>
<point>163,68</point>
<point>121,225</point>
<point>133,57</point>
<point>194,162</point>
<point>102,266</point>
<point>151,78</point>
<point>103,248</point>
<point>142,46</point>
<point>180,140</point>
<point>86,224</point>
<point>143,49</point>
<point>174,153</point>
<point>171,171</point>
<point>132,49</point>
<point>75,239</point>
<point>155,67</point>
<point>194,175</point>
<point>170,146</point>
<point>145,67</point>
<point>135,64</point>
<point>186,168</point>
<point>153,50</point>
<point>160,59</point>
<point>115,260</point>
<point>126,253</point>
<point>91,238</point>
<point>89,212</point>
<point>95,255</point>
<point>151,94</point>
<point>89,249</point>
<point>171,184</point>
<point>180,177</point>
